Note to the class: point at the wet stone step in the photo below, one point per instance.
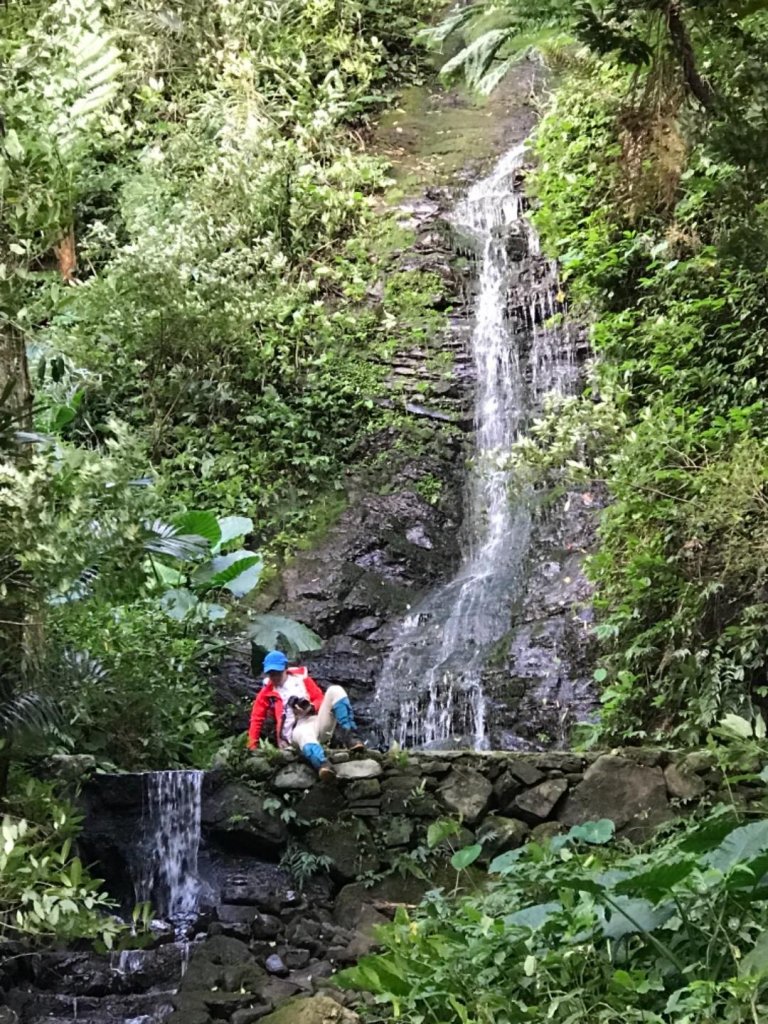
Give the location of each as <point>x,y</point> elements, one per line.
<point>36,1008</point>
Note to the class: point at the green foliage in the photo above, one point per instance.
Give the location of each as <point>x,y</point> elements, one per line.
<point>302,865</point>
<point>45,892</point>
<point>580,929</point>
<point>222,215</point>
<point>197,171</point>
<point>131,685</point>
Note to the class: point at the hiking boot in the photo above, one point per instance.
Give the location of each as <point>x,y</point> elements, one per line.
<point>326,773</point>
<point>351,740</point>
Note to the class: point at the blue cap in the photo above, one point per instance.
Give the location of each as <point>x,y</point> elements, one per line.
<point>275,661</point>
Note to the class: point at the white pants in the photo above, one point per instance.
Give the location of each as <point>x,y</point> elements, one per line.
<point>319,728</point>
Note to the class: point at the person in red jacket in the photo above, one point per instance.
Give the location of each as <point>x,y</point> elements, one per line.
<point>305,717</point>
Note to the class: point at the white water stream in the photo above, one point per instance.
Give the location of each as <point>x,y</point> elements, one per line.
<point>431,691</point>
<point>168,873</point>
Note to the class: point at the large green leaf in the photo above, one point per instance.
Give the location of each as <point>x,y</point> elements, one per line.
<point>505,862</point>
<point>533,917</point>
<point>657,881</point>
<point>178,603</point>
<point>237,572</point>
<point>629,916</point>
<point>232,527</point>
<point>468,855</point>
<point>268,631</point>
<point>743,844</point>
<point>199,524</point>
<point>755,962</point>
<point>595,832</point>
<point>709,834</point>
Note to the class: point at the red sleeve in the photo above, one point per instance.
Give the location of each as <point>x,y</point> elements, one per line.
<point>258,714</point>
<point>314,692</point>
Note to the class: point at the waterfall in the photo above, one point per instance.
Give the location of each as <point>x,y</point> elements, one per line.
<point>431,690</point>
<point>167,872</point>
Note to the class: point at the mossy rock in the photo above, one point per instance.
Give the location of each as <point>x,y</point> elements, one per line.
<point>312,1010</point>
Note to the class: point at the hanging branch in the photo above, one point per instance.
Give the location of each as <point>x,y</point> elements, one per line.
<point>683,49</point>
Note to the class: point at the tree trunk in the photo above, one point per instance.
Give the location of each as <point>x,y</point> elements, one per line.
<point>14,375</point>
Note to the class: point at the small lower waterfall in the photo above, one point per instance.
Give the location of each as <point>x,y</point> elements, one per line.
<point>166,875</point>
<point>431,691</point>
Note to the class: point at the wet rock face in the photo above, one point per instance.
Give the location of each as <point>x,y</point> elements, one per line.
<point>543,683</point>
<point>399,537</point>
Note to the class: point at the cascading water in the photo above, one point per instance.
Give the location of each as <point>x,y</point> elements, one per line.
<point>167,873</point>
<point>431,691</point>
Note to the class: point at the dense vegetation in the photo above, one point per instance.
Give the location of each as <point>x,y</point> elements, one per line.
<point>649,177</point>
<point>190,319</point>
<point>583,928</point>
<point>188,230</point>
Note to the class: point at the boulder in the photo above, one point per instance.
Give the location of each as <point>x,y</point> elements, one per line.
<point>467,793</point>
<point>193,1015</point>
<point>348,845</point>
<point>265,926</point>
<point>363,789</point>
<point>365,769</point>
<point>350,904</point>
<point>237,913</point>
<point>294,776</point>
<point>325,801</point>
<point>546,831</point>
<point>251,1014</point>
<point>698,762</point>
<point>632,795</point>
<point>525,773</point>
<point>277,990</point>
<point>537,804</point>
<point>396,831</point>
<point>499,834</point>
<point>312,1010</point>
<point>237,812</point>
<point>683,784</point>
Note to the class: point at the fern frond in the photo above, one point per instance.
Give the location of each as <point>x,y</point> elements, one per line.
<point>438,34</point>
<point>163,538</point>
<point>475,59</point>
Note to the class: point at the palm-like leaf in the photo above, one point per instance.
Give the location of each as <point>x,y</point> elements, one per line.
<point>26,712</point>
<point>163,538</point>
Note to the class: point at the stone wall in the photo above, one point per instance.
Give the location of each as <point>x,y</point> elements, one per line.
<point>377,812</point>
